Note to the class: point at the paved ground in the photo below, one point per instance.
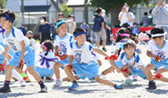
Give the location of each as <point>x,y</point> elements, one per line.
<point>90,89</point>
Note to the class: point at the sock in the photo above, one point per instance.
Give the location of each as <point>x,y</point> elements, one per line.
<point>6,84</point>
<point>41,84</point>
<point>58,78</point>
<point>16,75</point>
<point>75,82</point>
<point>23,75</point>
<point>151,81</point>
<point>128,77</point>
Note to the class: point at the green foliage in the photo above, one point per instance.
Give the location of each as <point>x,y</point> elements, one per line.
<point>65,9</point>
<point>110,4</point>
<point>3,3</point>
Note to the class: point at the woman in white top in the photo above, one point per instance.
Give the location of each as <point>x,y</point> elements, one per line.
<point>125,16</point>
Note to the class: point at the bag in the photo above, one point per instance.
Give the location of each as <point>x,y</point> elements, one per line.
<point>97,24</point>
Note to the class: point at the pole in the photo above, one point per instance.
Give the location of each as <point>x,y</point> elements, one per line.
<point>22,9</point>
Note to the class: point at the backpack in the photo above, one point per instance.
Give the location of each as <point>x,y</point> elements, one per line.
<point>97,24</point>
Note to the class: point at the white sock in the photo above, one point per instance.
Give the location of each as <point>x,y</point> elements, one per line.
<point>16,75</point>
<point>128,77</point>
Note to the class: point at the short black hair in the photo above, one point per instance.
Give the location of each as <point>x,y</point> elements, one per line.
<point>8,12</point>
<point>121,31</point>
<point>98,10</point>
<point>44,17</point>
<point>77,30</point>
<point>145,13</point>
<point>157,30</point>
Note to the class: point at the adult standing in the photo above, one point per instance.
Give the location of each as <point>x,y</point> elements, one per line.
<point>84,25</point>
<point>161,13</point>
<point>99,28</point>
<point>71,24</point>
<point>125,16</point>
<point>145,20</point>
<point>44,29</point>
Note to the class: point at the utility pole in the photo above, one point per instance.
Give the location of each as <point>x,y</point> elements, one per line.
<point>22,9</point>
<point>86,10</point>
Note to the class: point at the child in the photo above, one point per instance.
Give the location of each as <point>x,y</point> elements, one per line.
<point>30,35</point>
<point>157,48</point>
<point>123,35</point>
<point>14,39</point>
<point>84,62</point>
<point>46,61</point>
<point>61,43</point>
<point>131,60</point>
<point>95,57</point>
<point>14,73</point>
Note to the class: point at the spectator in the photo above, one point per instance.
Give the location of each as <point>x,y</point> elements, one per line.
<point>150,18</point>
<point>60,15</point>
<point>125,16</point>
<point>30,35</point>
<point>135,29</point>
<point>99,28</point>
<point>161,13</point>
<point>145,20</point>
<point>44,29</point>
<point>84,25</point>
<point>71,24</point>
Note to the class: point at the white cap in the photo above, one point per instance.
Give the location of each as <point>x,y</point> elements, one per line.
<point>103,10</point>
<point>28,32</point>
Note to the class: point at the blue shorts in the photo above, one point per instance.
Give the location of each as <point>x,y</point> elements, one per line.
<point>119,63</point>
<point>91,69</point>
<point>29,57</point>
<point>160,64</point>
<point>137,71</point>
<point>11,52</point>
<point>44,72</point>
<point>64,62</point>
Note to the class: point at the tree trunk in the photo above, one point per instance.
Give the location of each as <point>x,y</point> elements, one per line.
<point>114,16</point>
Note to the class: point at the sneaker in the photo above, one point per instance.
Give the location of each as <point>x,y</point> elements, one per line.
<point>118,86</point>
<point>48,79</point>
<point>22,83</point>
<point>26,79</point>
<point>58,83</point>
<point>74,86</point>
<point>44,90</point>
<point>128,82</point>
<point>135,78</point>
<point>152,86</point>
<point>104,49</point>
<point>5,90</point>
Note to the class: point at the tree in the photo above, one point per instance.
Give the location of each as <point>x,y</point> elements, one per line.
<point>114,6</point>
<point>3,3</point>
<point>65,9</point>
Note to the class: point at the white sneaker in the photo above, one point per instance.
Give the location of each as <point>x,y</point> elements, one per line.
<point>58,83</point>
<point>128,82</point>
<point>22,83</point>
<point>135,78</point>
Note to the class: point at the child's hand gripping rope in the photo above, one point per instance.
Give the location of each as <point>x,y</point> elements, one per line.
<point>112,57</point>
<point>157,58</point>
<point>158,76</point>
<point>70,67</point>
<point>2,67</point>
<point>62,57</point>
<point>21,64</point>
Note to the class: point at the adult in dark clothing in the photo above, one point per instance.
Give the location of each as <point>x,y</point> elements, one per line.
<point>44,29</point>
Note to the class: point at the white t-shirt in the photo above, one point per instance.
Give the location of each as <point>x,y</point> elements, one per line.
<point>41,60</point>
<point>1,38</point>
<point>33,44</point>
<point>81,54</point>
<point>155,50</point>
<point>95,56</point>
<point>125,18</point>
<point>130,62</point>
<point>64,42</point>
<point>14,38</point>
<point>1,49</point>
